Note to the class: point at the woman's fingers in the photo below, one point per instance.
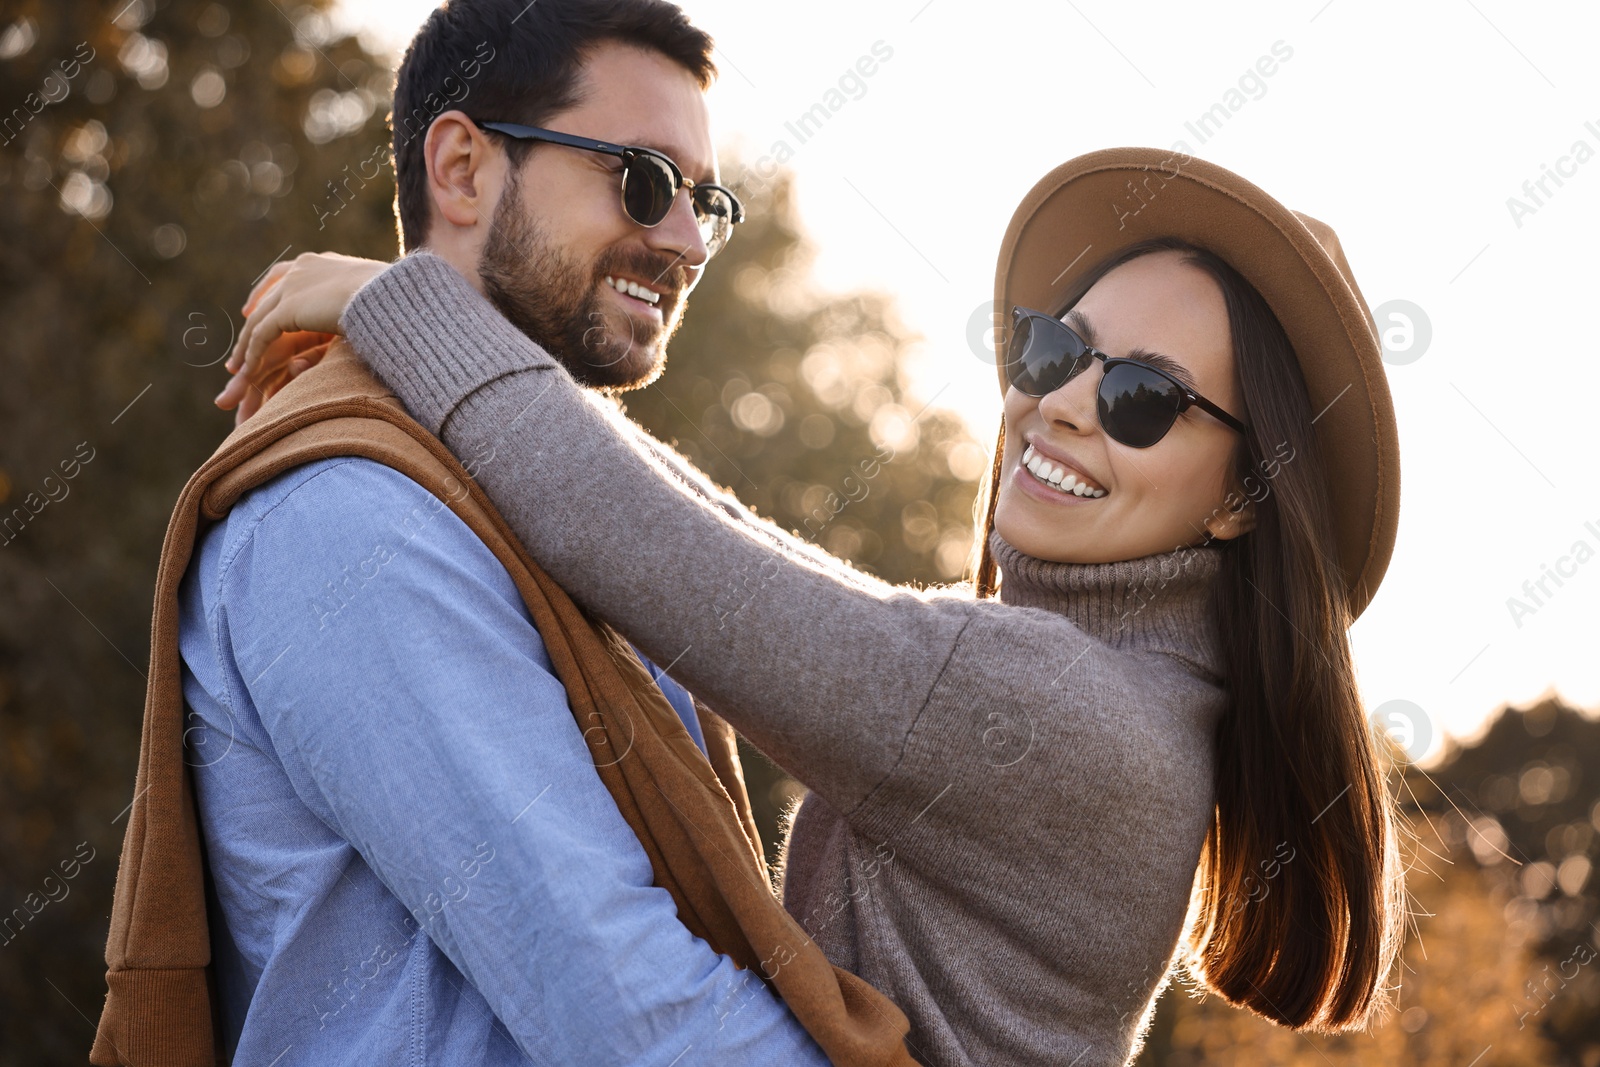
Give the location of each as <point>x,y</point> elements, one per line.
<point>248,403</point>
<point>286,357</point>
<point>267,281</point>
<point>252,325</point>
<point>256,394</point>
<point>303,347</point>
<point>231,393</point>
<point>290,310</point>
<point>272,319</point>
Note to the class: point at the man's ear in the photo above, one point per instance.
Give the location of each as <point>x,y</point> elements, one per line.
<point>1236,516</point>
<point>465,172</point>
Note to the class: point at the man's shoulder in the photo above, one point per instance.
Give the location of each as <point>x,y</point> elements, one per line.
<point>337,515</point>
<point>323,481</point>
<point>346,531</point>
<point>334,498</point>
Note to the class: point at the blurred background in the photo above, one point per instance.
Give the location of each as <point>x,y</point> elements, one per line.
<point>156,157</point>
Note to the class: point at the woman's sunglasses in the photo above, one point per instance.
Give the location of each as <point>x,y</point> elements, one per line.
<point>1138,403</point>
<point>650,182</point>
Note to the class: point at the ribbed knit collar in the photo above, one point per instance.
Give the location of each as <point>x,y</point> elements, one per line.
<point>1160,602</point>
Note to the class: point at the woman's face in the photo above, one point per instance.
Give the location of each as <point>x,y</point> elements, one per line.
<point>1158,498</point>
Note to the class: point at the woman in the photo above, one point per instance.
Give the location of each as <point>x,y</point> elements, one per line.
<point>1194,495</point>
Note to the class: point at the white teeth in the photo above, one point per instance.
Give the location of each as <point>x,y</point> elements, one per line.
<point>634,289</point>
<point>1057,477</point>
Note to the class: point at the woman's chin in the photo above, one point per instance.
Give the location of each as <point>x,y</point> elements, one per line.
<point>1034,536</point>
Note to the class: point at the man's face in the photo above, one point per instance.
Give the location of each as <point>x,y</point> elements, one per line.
<point>560,238</point>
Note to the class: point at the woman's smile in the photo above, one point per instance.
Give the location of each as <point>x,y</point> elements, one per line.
<point>1059,474</point>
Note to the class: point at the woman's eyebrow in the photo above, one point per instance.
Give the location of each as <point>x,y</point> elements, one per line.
<point>1080,322</point>
<point>1166,363</point>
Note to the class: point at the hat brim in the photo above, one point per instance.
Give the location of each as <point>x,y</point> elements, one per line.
<point>1093,206</point>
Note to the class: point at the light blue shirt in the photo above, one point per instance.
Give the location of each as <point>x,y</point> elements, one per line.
<point>411,857</point>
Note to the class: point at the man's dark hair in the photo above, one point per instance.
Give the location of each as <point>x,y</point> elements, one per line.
<point>515,61</point>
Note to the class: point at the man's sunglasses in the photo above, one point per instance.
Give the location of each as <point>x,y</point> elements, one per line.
<point>1138,403</point>
<point>650,182</point>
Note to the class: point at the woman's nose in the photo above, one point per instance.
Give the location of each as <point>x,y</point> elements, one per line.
<point>1074,404</point>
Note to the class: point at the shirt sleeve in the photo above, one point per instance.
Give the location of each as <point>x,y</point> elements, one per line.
<point>411,701</point>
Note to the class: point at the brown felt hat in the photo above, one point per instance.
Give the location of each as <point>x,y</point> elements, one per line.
<point>1093,206</point>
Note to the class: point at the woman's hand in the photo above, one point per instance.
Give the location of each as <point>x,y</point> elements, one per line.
<point>290,316</point>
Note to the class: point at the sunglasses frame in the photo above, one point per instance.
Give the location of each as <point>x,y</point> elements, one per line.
<point>1187,397</point>
<point>627,153</point>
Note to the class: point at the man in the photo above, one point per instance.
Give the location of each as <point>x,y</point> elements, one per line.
<point>406,836</point>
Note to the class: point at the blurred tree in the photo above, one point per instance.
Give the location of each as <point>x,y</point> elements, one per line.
<point>799,402</point>
<point>1502,965</point>
<point>1524,803</point>
<point>155,158</point>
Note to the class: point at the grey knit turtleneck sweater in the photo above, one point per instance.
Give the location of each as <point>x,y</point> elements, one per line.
<point>1008,799</point>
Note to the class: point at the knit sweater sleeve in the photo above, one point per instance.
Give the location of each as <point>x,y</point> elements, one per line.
<point>734,508</point>
<point>825,672</point>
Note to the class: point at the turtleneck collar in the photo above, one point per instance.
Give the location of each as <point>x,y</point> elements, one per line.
<point>1158,603</point>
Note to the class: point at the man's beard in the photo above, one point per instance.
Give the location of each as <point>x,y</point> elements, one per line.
<point>548,295</point>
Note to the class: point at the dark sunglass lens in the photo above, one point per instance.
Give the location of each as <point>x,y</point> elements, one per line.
<point>647,189</point>
<point>1137,406</point>
<point>1041,355</point>
<point>713,209</point>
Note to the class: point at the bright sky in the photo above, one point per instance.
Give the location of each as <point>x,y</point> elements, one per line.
<point>1407,127</point>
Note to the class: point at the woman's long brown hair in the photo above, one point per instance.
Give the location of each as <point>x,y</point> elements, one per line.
<point>1299,904</point>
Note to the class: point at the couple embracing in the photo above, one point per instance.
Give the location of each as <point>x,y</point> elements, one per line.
<point>438,764</point>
